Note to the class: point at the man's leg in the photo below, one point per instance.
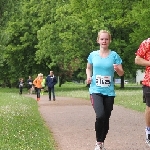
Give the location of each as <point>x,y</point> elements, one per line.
<point>147,116</point>
<point>53,92</point>
<point>49,93</point>
<point>146,93</point>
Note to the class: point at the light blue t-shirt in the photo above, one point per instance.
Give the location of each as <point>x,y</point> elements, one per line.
<point>103,72</point>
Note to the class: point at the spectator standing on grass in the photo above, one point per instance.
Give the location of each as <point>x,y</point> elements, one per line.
<point>21,83</point>
<point>38,84</point>
<point>143,59</point>
<point>50,82</point>
<point>100,70</point>
<point>29,85</point>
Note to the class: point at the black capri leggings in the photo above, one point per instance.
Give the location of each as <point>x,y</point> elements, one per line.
<point>103,105</point>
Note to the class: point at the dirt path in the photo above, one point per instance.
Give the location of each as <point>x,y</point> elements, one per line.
<point>72,120</point>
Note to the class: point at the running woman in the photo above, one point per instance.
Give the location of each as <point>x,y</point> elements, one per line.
<point>100,70</point>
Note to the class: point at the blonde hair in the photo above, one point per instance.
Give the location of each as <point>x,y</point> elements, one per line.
<point>40,75</point>
<point>103,31</point>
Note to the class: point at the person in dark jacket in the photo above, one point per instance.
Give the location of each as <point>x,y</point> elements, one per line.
<point>50,82</point>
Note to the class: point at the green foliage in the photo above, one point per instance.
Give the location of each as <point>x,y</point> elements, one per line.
<point>139,17</point>
<point>21,124</point>
<point>41,35</point>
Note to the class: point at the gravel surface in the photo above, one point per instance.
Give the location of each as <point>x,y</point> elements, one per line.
<point>72,120</point>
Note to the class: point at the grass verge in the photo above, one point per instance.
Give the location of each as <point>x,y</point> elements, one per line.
<point>22,127</point>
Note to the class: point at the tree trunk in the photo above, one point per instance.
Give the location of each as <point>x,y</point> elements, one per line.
<point>122,82</point>
<point>60,81</point>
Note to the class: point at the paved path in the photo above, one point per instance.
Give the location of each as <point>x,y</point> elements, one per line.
<point>72,120</point>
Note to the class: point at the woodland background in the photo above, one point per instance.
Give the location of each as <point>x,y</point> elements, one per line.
<point>42,35</point>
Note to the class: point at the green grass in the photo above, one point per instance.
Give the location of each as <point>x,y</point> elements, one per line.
<point>22,127</point>
<point>129,97</point>
<point>72,90</point>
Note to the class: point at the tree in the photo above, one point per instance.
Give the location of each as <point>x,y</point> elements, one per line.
<point>59,35</point>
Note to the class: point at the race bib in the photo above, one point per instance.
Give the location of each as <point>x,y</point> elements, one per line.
<point>103,81</point>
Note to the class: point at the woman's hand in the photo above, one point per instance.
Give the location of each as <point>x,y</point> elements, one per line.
<point>118,69</point>
<point>88,80</point>
<point>115,67</point>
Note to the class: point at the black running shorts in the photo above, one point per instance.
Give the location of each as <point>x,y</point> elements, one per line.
<point>146,95</point>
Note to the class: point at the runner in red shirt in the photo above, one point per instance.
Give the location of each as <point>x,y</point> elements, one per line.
<point>143,59</point>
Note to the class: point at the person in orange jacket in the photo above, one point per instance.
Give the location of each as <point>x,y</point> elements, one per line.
<point>37,83</point>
